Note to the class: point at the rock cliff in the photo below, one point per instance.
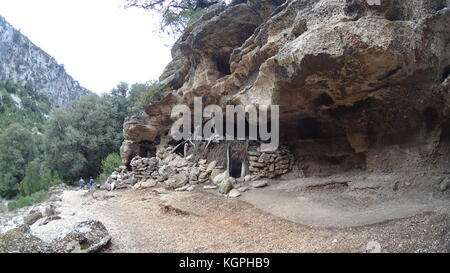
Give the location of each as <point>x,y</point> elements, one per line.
<point>359,85</point>
<point>28,65</point>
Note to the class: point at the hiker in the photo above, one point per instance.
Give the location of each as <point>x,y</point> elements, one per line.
<point>81,183</point>
<point>91,182</point>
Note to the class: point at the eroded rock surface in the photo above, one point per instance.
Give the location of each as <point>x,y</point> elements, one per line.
<point>359,86</point>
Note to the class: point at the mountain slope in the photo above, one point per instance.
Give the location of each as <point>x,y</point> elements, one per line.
<point>23,106</point>
<point>28,65</point>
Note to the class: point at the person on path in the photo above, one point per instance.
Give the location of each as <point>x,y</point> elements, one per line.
<point>81,183</point>
<point>91,182</point>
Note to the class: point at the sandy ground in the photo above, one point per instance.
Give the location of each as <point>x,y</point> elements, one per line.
<point>352,199</point>
<point>154,220</point>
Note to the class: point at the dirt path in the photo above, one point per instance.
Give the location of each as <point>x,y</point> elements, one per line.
<point>157,221</point>
<point>350,200</point>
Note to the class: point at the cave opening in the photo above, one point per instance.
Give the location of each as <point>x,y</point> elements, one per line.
<point>236,168</point>
<point>179,147</point>
<point>128,166</point>
<point>324,100</point>
<point>396,14</point>
<point>445,136</point>
<point>237,158</point>
<point>147,149</point>
<point>430,116</point>
<point>308,129</point>
<point>223,65</point>
<point>445,73</point>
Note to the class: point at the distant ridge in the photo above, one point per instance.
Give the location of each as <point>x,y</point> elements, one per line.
<point>28,65</point>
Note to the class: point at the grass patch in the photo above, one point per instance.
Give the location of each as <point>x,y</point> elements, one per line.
<point>26,201</point>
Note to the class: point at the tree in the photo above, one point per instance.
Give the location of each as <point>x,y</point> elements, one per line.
<point>143,94</point>
<point>79,136</point>
<point>37,179</point>
<point>8,185</point>
<point>17,149</point>
<point>176,15</point>
<point>121,90</point>
<point>32,181</point>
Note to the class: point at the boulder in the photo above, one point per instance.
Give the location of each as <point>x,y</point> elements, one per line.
<point>193,175</point>
<point>219,178</point>
<point>49,210</point>
<point>32,217</point>
<point>211,167</point>
<point>259,184</point>
<point>87,237</point>
<point>177,181</point>
<point>243,189</point>
<point>166,172</point>
<point>226,185</point>
<point>20,240</point>
<point>149,183</point>
<point>234,193</point>
<point>215,173</point>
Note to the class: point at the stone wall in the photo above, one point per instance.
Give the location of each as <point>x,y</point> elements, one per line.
<point>180,173</point>
<point>270,164</point>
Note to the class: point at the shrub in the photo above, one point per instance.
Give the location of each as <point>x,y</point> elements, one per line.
<point>26,201</point>
<point>109,164</point>
<point>37,179</point>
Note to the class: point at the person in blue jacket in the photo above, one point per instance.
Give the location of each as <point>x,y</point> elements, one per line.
<point>91,182</point>
<point>81,182</point>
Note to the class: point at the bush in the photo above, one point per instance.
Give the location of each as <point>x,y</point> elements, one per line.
<point>109,164</point>
<point>37,180</point>
<point>26,201</point>
<point>8,185</point>
<point>80,135</point>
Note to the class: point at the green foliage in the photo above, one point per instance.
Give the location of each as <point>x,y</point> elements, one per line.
<point>37,179</point>
<point>176,15</point>
<point>26,201</point>
<point>78,140</point>
<point>142,95</point>
<point>17,149</point>
<point>109,164</point>
<point>79,136</point>
<point>30,113</point>
<point>175,21</point>
<point>8,185</point>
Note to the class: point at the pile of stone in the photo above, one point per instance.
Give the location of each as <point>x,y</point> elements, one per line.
<point>175,171</point>
<point>183,174</point>
<point>143,168</point>
<point>270,164</point>
<point>120,178</point>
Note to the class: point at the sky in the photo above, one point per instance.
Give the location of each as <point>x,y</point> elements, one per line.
<point>98,41</point>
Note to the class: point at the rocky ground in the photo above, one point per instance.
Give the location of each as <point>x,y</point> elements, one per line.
<point>157,220</point>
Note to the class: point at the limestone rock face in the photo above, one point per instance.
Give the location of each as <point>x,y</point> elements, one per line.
<point>28,65</point>
<point>359,85</point>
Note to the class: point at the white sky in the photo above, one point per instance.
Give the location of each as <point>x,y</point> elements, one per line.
<point>99,42</point>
